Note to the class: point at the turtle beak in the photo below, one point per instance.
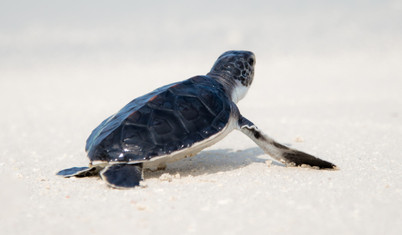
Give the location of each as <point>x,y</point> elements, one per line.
<point>251,59</point>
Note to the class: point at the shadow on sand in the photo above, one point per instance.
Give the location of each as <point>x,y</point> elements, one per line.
<point>213,161</point>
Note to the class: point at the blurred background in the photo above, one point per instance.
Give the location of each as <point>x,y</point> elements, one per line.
<point>89,58</point>
<point>121,43</point>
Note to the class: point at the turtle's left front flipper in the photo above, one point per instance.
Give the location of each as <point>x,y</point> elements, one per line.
<point>278,151</point>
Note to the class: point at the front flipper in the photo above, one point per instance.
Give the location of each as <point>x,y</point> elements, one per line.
<point>122,175</point>
<point>278,151</point>
<point>80,171</point>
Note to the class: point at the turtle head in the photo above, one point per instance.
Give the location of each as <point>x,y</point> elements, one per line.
<point>235,70</point>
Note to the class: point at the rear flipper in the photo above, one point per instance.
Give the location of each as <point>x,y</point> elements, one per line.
<point>122,175</point>
<point>278,151</point>
<point>80,171</point>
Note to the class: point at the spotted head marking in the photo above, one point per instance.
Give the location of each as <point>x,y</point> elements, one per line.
<point>235,69</point>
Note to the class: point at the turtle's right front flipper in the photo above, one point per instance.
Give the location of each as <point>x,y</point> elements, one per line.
<point>278,151</point>
<point>80,171</point>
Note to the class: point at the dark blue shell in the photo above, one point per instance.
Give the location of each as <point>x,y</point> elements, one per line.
<point>169,119</point>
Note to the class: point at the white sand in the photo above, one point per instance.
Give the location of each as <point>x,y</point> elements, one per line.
<point>328,81</point>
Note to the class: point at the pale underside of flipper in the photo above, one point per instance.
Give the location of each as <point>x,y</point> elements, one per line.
<point>282,153</point>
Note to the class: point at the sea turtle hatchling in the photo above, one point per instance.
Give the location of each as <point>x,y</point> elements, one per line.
<point>179,120</point>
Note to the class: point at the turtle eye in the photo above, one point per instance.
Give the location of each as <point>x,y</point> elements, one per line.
<point>251,61</point>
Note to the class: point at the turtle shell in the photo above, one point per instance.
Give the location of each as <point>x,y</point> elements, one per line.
<point>169,119</point>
